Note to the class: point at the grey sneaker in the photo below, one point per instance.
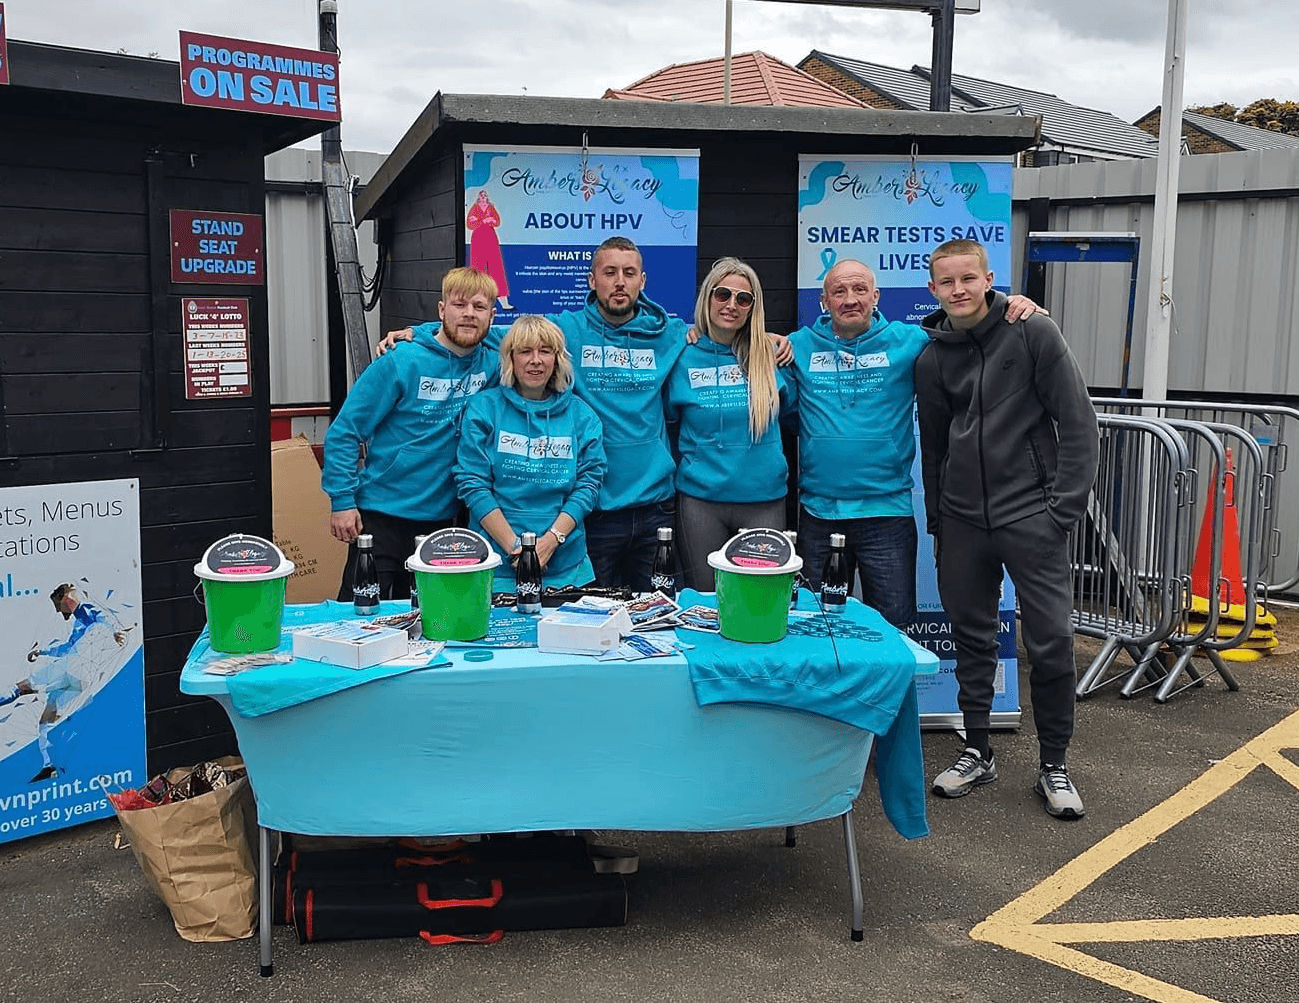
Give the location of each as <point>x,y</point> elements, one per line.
<point>971,770</point>
<point>1060,796</point>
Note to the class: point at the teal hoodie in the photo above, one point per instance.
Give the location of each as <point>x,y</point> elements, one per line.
<point>708,394</point>
<point>620,372</point>
<point>406,408</point>
<point>856,398</point>
<point>532,460</point>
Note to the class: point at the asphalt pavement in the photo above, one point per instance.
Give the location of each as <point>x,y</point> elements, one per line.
<point>1177,886</point>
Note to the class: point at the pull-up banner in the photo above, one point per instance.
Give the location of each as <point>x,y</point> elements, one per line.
<point>4,49</point>
<point>534,215</point>
<point>889,214</point>
<point>71,653</point>
<point>218,72</point>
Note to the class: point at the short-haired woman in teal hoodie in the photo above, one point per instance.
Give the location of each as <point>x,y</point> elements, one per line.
<point>728,395</point>
<point>531,457</point>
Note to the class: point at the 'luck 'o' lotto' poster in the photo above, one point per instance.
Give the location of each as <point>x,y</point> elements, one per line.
<point>71,653</point>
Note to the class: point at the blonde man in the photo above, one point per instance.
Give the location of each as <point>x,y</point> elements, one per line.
<point>406,408</point>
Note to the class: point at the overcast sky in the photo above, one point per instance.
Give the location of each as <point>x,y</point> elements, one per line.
<point>396,54</point>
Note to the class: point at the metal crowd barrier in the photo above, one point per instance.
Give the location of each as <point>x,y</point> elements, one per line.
<point>1272,427</point>
<point>1135,551</point>
<point>1130,573</point>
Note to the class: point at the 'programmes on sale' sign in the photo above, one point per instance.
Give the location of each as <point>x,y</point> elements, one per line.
<point>218,72</point>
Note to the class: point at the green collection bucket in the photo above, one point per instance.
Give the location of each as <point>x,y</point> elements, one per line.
<point>754,572</point>
<point>243,579</point>
<point>453,571</point>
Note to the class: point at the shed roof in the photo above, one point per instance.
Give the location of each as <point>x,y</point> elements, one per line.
<point>58,82</point>
<point>1063,124</point>
<point>642,122</point>
<point>756,78</point>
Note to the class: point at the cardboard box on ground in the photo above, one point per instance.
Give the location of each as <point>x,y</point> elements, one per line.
<point>301,517</point>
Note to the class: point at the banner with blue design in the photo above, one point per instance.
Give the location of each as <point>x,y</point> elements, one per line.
<point>71,653</point>
<point>936,693</point>
<point>533,217</point>
<point>890,213</point>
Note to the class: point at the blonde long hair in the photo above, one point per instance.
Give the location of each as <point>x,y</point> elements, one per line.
<point>752,346</point>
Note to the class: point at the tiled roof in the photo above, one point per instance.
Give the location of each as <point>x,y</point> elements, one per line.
<point>1242,137</point>
<point>1063,124</point>
<point>756,79</point>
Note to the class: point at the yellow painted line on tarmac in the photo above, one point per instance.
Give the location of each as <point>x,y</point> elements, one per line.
<point>1018,925</point>
<point>1139,930</point>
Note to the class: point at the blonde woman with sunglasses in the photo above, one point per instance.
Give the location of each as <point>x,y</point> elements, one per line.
<point>728,396</point>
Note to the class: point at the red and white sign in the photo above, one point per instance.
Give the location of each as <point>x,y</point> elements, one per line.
<point>220,247</point>
<point>4,49</point>
<point>218,72</point>
<point>217,357</point>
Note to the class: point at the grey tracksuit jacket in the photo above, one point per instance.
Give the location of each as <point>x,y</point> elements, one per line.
<point>1007,429</point>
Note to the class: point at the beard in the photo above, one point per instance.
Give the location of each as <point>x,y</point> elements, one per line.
<point>625,310</point>
<point>463,337</point>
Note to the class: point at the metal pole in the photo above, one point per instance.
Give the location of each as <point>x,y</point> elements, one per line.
<point>726,63</point>
<point>940,66</point>
<point>1159,305</point>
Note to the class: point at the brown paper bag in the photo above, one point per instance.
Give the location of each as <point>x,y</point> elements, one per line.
<point>200,856</point>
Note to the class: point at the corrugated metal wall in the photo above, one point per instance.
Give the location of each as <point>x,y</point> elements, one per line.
<point>296,277</point>
<point>1235,280</point>
<point>1235,274</point>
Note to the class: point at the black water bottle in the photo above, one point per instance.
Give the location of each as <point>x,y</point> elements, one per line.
<point>798,575</point>
<point>663,573</point>
<point>365,578</point>
<point>527,576</point>
<point>834,579</point>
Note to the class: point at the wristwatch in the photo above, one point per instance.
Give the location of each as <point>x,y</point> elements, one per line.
<point>561,537</point>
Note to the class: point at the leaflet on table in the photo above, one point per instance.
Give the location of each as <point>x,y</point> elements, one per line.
<point>505,629</point>
<point>637,646</point>
<point>655,611</point>
<point>703,618</point>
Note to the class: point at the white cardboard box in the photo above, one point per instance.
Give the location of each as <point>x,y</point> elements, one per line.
<point>353,644</point>
<point>582,633</point>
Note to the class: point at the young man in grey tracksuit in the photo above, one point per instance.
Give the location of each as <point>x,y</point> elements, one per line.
<point>1009,448</point>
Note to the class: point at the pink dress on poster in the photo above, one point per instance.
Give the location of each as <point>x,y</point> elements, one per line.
<point>485,247</point>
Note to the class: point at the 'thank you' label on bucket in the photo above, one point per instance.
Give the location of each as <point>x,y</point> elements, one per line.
<point>242,555</point>
<point>453,548</point>
<point>759,548</point>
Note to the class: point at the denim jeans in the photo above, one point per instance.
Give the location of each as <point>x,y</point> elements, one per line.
<point>621,542</point>
<point>881,550</point>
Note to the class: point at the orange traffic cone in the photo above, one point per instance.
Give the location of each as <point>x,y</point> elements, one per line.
<point>1230,587</point>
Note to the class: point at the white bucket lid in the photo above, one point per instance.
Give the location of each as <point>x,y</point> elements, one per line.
<point>241,557</point>
<point>757,552</point>
<point>453,552</point>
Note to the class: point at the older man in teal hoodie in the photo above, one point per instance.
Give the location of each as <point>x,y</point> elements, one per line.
<point>856,444</point>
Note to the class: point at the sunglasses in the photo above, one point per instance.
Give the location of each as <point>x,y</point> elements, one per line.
<point>723,295</point>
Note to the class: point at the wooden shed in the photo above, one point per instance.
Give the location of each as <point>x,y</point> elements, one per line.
<point>748,171</point>
<point>97,150</point>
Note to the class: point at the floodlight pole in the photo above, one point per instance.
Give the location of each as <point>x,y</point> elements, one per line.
<point>1159,302</point>
<point>940,65</point>
<point>726,63</point>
